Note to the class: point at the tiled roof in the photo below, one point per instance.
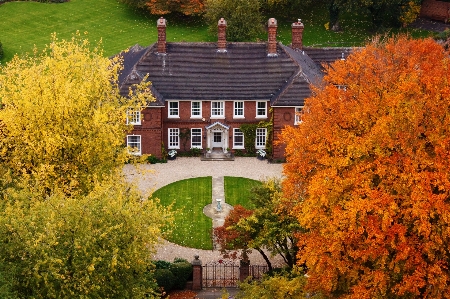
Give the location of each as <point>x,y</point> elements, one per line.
<point>197,71</point>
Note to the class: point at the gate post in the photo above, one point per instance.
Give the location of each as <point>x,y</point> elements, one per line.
<point>197,273</point>
<point>244,270</point>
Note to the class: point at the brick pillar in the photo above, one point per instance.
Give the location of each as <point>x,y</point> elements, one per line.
<point>244,270</point>
<point>272,46</point>
<point>222,35</point>
<point>197,275</point>
<point>161,24</point>
<point>297,35</point>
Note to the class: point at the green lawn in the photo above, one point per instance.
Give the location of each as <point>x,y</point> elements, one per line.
<point>25,24</point>
<point>188,198</point>
<point>238,191</point>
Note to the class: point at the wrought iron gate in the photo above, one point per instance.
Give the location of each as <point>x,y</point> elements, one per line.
<point>227,273</point>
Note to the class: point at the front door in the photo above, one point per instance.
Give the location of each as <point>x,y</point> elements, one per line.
<point>217,140</point>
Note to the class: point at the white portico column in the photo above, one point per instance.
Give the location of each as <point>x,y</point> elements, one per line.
<point>208,139</point>
<point>225,140</point>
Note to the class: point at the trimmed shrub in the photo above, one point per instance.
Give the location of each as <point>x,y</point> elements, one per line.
<point>182,272</point>
<point>162,264</point>
<point>165,279</point>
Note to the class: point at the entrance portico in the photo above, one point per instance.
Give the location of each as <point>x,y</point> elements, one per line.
<point>217,136</point>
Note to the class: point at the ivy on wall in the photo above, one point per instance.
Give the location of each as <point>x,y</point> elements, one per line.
<point>249,131</point>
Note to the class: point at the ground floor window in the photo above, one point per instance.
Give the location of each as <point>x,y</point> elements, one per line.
<point>174,138</point>
<point>261,134</point>
<point>238,138</point>
<point>196,138</point>
<point>134,144</point>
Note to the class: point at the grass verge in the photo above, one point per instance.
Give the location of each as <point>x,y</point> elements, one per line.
<point>191,227</point>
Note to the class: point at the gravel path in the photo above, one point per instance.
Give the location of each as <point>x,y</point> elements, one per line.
<point>151,177</point>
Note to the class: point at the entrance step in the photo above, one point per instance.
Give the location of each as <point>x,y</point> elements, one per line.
<point>217,155</point>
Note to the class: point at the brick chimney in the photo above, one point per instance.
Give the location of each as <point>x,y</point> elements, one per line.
<point>161,24</point>
<point>272,28</point>
<point>297,35</point>
<point>222,35</point>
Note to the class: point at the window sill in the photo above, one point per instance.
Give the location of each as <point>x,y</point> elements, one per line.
<point>173,117</point>
<point>261,116</point>
<point>238,117</point>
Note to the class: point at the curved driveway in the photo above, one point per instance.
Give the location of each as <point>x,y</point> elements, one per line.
<point>151,177</point>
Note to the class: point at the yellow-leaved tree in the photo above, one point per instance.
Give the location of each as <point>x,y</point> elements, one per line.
<point>62,118</point>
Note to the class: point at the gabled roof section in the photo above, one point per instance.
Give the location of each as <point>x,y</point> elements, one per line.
<point>197,71</point>
<point>217,126</point>
<point>297,88</point>
<point>130,75</point>
<point>327,55</point>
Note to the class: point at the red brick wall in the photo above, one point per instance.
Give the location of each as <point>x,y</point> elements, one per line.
<point>150,131</point>
<point>186,122</point>
<point>282,117</point>
<point>435,9</point>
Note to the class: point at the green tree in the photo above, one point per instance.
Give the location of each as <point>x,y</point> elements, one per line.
<point>93,246</point>
<point>62,117</point>
<point>286,284</point>
<point>372,186</point>
<point>269,226</point>
<point>244,20</point>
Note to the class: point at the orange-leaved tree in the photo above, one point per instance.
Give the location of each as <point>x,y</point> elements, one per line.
<point>368,173</point>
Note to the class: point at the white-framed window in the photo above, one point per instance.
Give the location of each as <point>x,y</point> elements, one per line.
<point>217,109</point>
<point>238,138</point>
<point>134,144</point>
<point>133,117</point>
<point>174,138</point>
<point>196,138</point>
<point>261,134</point>
<point>261,109</point>
<point>298,115</point>
<point>174,109</point>
<point>238,110</point>
<point>196,109</point>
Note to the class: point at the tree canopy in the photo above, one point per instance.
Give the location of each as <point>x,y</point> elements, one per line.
<point>62,117</point>
<point>367,173</point>
<point>269,226</point>
<point>70,225</point>
<point>93,246</point>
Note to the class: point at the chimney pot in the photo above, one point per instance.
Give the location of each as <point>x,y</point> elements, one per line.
<point>272,36</point>
<point>297,35</point>
<point>161,25</point>
<point>222,36</point>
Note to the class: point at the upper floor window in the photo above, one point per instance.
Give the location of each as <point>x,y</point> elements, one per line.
<point>196,109</point>
<point>261,135</point>
<point>238,109</point>
<point>174,138</point>
<point>298,115</point>
<point>134,144</point>
<point>196,138</point>
<point>174,109</point>
<point>133,117</point>
<point>238,138</point>
<point>217,109</point>
<point>261,109</point>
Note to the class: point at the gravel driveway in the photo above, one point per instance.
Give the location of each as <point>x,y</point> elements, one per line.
<point>151,177</point>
